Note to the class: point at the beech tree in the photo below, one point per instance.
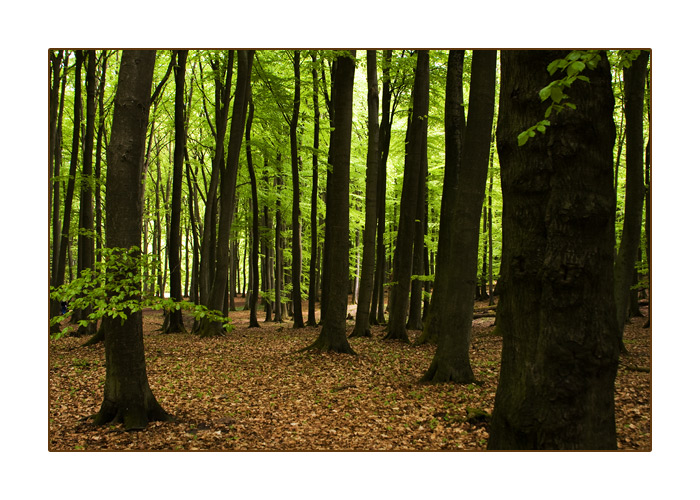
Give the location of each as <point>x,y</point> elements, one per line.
<point>127,395</point>
<point>461,213</point>
<point>403,255</point>
<point>333,336</point>
<point>556,309</point>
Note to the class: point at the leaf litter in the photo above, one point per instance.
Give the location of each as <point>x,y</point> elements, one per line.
<point>254,390</point>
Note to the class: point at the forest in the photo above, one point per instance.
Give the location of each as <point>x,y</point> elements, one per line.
<point>316,250</point>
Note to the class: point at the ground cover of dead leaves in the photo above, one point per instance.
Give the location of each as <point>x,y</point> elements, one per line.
<point>253,390</point>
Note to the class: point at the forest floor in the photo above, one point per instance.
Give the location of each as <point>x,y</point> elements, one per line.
<point>254,390</point>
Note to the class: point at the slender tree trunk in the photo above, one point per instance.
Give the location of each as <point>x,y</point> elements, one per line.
<point>58,275</point>
<point>311,320</point>
<point>127,395</point>
<point>451,360</point>
<point>279,254</point>
<point>229,175</point>
<point>403,256</point>
<point>57,154</point>
<point>255,243</point>
<point>86,240</point>
<point>415,317</point>
<point>196,224</point>
<point>647,221</point>
<point>296,211</point>
<point>333,336</point>
<point>556,388</point>
<point>173,320</point>
<point>376,315</point>
<point>98,154</point>
<point>635,78</point>
<point>369,242</point>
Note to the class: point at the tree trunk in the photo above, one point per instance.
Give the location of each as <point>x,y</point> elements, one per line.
<point>368,244</point>
<point>56,152</point>
<point>127,394</point>
<point>403,256</point>
<point>451,360</point>
<point>255,240</point>
<point>333,336</point>
<point>376,315</point>
<point>296,211</point>
<point>415,317</point>
<point>279,255</point>
<point>229,175</point>
<point>59,271</point>
<point>635,78</point>
<point>173,321</point>
<point>311,320</point>
<point>556,310</point>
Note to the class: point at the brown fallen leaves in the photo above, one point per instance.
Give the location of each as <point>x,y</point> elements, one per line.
<point>253,390</point>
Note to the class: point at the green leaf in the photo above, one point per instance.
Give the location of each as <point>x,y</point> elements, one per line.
<point>557,94</point>
<point>545,92</point>
<point>522,138</point>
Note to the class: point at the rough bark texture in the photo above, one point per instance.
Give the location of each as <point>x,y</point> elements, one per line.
<point>173,320</point>
<point>127,394</point>
<point>403,255</point>
<point>368,245</point>
<point>451,360</point>
<point>635,78</point>
<point>556,309</point>
<point>333,336</point>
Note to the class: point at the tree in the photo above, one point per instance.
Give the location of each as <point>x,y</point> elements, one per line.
<point>296,211</point>
<point>173,319</point>
<point>403,255</point>
<point>461,215</point>
<point>255,240</point>
<point>333,336</point>
<point>635,77</point>
<point>229,175</point>
<point>311,321</point>
<point>127,395</point>
<point>368,248</point>
<point>556,308</point>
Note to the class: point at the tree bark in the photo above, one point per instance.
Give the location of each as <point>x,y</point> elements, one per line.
<point>229,175</point>
<point>635,78</point>
<point>451,360</point>
<point>403,256</point>
<point>255,243</point>
<point>296,211</point>
<point>127,395</point>
<point>556,310</point>
<point>333,336</point>
<point>173,321</point>
<point>311,320</point>
<point>368,245</point>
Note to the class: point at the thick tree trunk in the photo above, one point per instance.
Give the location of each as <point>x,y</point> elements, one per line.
<point>368,245</point>
<point>556,310</point>
<point>454,134</point>
<point>451,360</point>
<point>333,336</point>
<point>173,320</point>
<point>403,256</point>
<point>229,175</point>
<point>127,394</point>
<point>635,78</point>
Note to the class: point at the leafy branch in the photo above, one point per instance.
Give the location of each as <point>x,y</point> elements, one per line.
<point>113,289</point>
<point>572,65</point>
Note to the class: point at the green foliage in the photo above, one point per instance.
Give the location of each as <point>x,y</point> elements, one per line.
<point>113,289</point>
<point>572,65</point>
